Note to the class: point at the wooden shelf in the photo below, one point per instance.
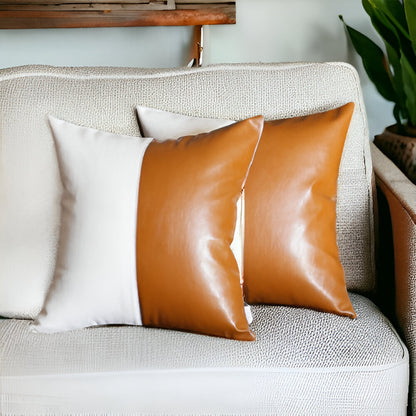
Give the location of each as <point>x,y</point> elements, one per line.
<point>30,14</point>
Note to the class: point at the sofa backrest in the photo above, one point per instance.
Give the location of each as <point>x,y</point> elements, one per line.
<point>105,98</point>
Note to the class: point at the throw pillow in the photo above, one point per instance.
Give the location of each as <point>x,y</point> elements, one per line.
<point>146,231</point>
<point>290,255</point>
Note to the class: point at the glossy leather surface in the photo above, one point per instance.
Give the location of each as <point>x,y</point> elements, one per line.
<point>187,275</point>
<point>291,254</point>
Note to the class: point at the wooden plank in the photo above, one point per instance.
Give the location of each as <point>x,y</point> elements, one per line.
<point>52,2</point>
<point>204,2</point>
<point>22,19</point>
<point>67,7</point>
<point>21,14</point>
<point>214,6</point>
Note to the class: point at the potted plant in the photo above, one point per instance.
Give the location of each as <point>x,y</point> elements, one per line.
<point>393,73</point>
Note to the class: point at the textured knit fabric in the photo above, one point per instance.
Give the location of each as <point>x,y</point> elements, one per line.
<point>401,149</point>
<point>105,98</point>
<point>401,196</point>
<point>303,363</point>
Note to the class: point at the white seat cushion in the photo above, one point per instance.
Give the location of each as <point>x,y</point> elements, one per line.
<point>303,363</point>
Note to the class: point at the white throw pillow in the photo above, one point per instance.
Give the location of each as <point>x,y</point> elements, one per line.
<point>96,272</point>
<point>164,125</point>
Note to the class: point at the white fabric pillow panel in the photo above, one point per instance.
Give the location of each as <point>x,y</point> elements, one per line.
<point>167,125</point>
<point>101,172</point>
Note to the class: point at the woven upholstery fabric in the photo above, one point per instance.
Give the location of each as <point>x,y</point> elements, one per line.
<point>401,149</point>
<point>401,196</point>
<point>361,365</point>
<point>105,98</point>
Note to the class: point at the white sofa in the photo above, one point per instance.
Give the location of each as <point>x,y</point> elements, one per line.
<point>303,362</point>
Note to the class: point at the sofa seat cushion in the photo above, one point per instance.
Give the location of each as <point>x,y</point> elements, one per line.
<point>360,365</point>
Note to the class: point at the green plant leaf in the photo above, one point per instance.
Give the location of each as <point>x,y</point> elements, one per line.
<point>389,31</point>
<point>374,61</point>
<point>410,10</point>
<point>383,25</point>
<point>396,114</point>
<point>394,11</point>
<point>397,81</point>
<point>392,41</point>
<point>409,84</point>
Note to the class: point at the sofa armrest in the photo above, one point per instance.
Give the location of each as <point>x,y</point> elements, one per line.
<point>400,194</point>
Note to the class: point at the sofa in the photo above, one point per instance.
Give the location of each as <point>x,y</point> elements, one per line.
<point>304,361</point>
<point>397,255</point>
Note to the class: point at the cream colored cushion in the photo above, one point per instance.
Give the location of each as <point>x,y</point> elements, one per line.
<point>145,227</point>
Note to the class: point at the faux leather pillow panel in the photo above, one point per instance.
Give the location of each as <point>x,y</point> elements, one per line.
<point>147,229</point>
<point>188,277</point>
<point>164,126</point>
<point>291,255</point>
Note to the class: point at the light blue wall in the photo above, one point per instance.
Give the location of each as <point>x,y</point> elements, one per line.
<point>131,46</point>
<point>266,31</point>
<point>298,30</point>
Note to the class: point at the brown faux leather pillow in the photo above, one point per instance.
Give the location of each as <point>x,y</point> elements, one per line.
<point>290,255</point>
<point>147,229</point>
<point>187,275</point>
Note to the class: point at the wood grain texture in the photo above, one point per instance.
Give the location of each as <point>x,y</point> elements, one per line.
<point>25,14</point>
<point>53,2</point>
